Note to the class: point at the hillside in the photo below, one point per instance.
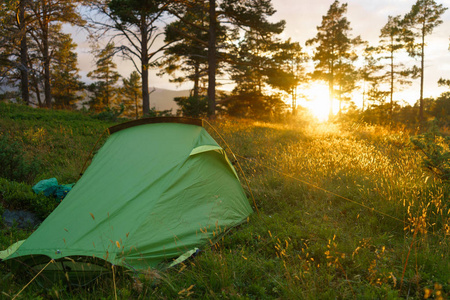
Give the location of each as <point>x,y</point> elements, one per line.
<point>162,99</point>
<point>342,211</point>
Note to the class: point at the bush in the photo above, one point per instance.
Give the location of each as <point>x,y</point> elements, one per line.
<point>110,114</point>
<point>158,113</point>
<point>194,107</point>
<point>13,164</point>
<point>19,196</point>
<point>436,150</point>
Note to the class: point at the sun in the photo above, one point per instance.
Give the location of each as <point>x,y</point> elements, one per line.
<point>318,101</point>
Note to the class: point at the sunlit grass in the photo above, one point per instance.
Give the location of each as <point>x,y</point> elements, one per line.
<point>371,165</point>
<point>312,239</point>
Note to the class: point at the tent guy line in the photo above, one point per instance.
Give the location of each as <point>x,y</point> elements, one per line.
<point>42,270</point>
<point>292,177</point>
<point>324,190</point>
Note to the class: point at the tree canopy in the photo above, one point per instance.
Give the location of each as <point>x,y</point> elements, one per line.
<point>209,43</point>
<point>334,55</point>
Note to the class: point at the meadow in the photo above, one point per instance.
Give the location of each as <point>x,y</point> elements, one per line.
<point>343,210</point>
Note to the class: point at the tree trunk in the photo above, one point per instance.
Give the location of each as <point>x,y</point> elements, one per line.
<point>196,80</point>
<point>340,100</point>
<point>144,68</point>
<point>364,95</point>
<point>23,54</point>
<point>107,87</point>
<point>331,95</point>
<point>331,90</point>
<point>422,56</point>
<point>136,105</point>
<point>294,101</point>
<point>35,84</point>
<point>212,60</point>
<point>391,108</point>
<point>46,57</point>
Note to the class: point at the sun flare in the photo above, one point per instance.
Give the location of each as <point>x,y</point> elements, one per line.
<point>317,101</point>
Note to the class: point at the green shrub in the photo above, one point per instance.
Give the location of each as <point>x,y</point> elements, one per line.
<point>110,114</point>
<point>20,196</point>
<point>436,150</point>
<point>192,106</point>
<point>158,113</point>
<point>13,164</point>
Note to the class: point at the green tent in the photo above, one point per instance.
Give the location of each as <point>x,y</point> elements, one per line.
<point>157,189</point>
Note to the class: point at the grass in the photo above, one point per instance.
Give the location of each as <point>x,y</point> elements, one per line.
<point>346,211</point>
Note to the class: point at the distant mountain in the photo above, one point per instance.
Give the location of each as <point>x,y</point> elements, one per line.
<point>162,99</point>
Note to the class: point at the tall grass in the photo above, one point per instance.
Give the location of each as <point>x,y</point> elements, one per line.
<point>370,165</point>
<point>346,211</point>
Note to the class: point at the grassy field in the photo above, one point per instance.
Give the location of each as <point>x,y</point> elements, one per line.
<point>345,211</point>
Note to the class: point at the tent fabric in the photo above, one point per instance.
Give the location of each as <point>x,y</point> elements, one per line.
<point>152,193</point>
<point>10,250</point>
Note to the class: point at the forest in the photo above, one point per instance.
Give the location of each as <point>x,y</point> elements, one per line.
<point>351,206</point>
<point>204,44</point>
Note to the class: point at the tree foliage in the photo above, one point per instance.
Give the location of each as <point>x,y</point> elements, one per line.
<point>192,106</point>
<point>436,150</point>
<point>106,77</point>
<point>45,13</point>
<point>381,69</point>
<point>424,16</point>
<point>288,71</point>
<point>131,94</point>
<point>334,55</point>
<point>135,22</point>
<point>393,39</point>
<point>263,65</point>
<point>233,18</point>
<point>236,41</point>
<point>30,33</point>
<point>66,83</point>
<point>187,59</point>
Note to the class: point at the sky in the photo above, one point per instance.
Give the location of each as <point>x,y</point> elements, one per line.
<point>366,18</point>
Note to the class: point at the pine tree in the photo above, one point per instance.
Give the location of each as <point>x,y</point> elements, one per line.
<point>137,22</point>
<point>106,76</point>
<point>22,50</point>
<point>235,15</point>
<point>14,22</point>
<point>333,53</point>
<point>187,58</point>
<point>424,16</point>
<point>131,94</point>
<point>369,73</point>
<point>443,81</point>
<point>393,39</point>
<point>287,71</point>
<point>65,78</point>
<point>212,58</point>
<point>24,71</point>
<point>46,13</point>
<point>261,65</point>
